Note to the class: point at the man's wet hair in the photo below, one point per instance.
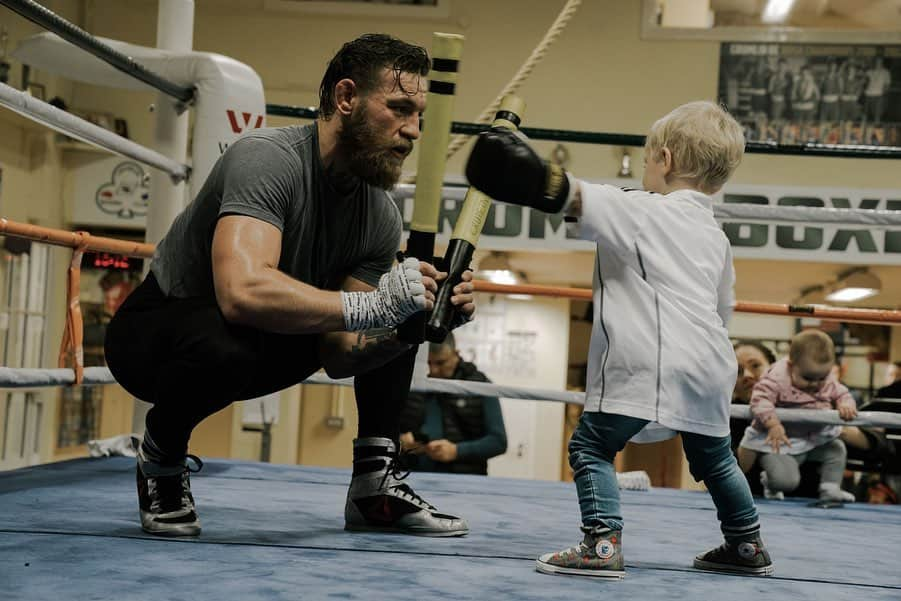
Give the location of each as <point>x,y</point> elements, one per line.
<point>363,60</point>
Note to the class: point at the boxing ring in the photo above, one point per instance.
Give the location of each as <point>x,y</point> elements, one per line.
<point>276,531</point>
<point>70,529</point>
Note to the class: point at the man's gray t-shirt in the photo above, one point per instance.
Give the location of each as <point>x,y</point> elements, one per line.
<point>276,175</point>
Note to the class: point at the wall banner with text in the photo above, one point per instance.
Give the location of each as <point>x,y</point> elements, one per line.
<point>511,227</point>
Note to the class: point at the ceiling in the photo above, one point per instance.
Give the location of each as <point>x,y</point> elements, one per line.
<point>883,15</point>
<point>756,280</point>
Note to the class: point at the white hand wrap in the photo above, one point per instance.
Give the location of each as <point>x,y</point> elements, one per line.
<point>400,294</point>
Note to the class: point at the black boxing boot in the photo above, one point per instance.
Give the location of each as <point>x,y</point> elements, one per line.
<point>164,493</point>
<point>378,501</point>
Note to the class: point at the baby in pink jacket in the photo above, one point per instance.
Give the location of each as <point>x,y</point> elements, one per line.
<point>803,380</point>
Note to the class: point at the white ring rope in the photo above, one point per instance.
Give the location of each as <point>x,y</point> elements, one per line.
<point>559,24</point>
<point>744,211</point>
<point>76,127</point>
<point>467,388</point>
<point>43,378</point>
<point>21,377</point>
<point>752,212</point>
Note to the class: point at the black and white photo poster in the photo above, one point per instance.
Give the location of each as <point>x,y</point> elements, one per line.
<point>824,93</point>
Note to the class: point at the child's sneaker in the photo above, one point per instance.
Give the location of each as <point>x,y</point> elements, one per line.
<point>770,494</point>
<point>599,554</point>
<point>747,557</point>
<point>832,492</point>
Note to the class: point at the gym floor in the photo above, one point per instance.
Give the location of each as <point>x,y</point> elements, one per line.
<point>70,531</point>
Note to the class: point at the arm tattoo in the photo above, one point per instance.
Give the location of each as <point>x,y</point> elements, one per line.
<point>376,342</point>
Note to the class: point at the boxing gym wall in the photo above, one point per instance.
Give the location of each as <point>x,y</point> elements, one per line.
<point>600,72</point>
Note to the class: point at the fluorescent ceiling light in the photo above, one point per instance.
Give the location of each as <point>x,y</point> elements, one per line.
<point>847,295</point>
<point>776,11</point>
<point>496,268</point>
<point>855,286</point>
<point>500,276</point>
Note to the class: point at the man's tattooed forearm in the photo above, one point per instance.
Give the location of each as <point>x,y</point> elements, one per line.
<point>374,341</point>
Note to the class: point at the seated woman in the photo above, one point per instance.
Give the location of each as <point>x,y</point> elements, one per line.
<point>754,359</point>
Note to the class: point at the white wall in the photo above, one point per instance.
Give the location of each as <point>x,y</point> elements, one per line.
<point>599,75</point>
<point>747,325</point>
<point>523,343</point>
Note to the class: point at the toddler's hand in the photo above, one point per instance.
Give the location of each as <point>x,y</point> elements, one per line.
<point>847,412</point>
<point>776,437</point>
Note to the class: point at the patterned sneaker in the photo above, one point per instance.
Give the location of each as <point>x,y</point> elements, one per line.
<point>164,497</point>
<point>378,501</point>
<point>599,554</point>
<point>748,557</point>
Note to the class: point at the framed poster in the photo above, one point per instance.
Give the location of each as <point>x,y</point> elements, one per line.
<point>822,93</point>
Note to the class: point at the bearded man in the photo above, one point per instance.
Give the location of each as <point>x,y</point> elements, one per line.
<point>282,265</point>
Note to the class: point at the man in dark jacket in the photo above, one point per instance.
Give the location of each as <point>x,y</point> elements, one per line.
<point>893,390</point>
<point>448,433</point>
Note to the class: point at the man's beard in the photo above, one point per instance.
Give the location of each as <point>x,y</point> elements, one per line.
<point>369,157</point>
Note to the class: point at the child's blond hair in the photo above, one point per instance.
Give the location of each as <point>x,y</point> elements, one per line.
<point>706,143</point>
<point>813,347</point>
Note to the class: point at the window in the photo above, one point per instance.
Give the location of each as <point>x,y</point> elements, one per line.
<point>23,318</point>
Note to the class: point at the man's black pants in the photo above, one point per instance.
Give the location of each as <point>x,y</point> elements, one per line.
<point>181,355</point>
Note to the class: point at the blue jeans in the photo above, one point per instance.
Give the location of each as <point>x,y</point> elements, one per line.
<point>600,436</point>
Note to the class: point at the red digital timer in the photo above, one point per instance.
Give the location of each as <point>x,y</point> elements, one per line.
<point>104,260</point>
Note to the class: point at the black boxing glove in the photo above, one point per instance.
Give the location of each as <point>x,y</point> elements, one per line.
<point>504,166</point>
